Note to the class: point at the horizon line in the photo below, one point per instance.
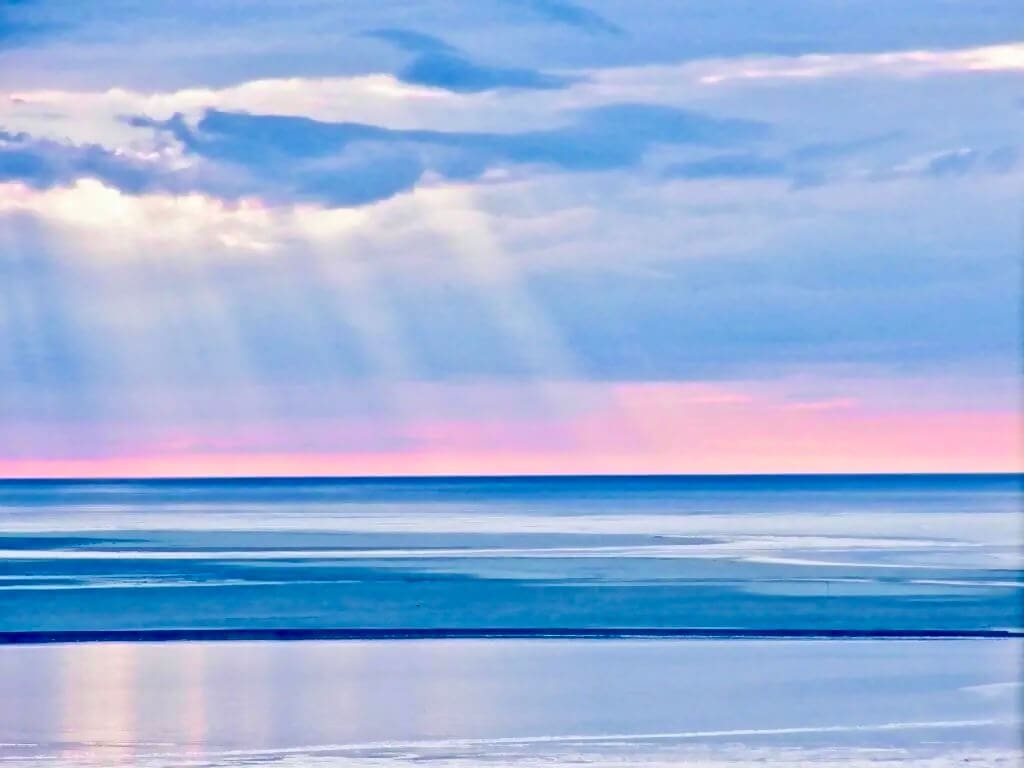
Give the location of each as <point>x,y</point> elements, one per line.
<point>511,476</point>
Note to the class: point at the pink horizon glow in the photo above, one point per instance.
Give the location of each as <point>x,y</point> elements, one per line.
<point>639,430</point>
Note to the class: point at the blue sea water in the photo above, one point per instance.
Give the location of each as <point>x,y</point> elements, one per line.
<point>770,555</point>
<point>860,553</point>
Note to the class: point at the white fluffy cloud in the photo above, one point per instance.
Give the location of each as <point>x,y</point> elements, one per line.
<point>380,99</point>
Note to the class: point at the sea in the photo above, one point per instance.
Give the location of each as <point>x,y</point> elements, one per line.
<point>698,620</point>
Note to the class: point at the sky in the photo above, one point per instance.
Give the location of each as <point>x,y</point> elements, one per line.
<point>509,236</point>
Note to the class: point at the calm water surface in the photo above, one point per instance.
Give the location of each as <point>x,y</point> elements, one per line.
<point>905,552</point>
<point>847,553</point>
<point>518,702</point>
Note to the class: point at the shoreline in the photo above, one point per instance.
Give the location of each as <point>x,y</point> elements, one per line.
<point>35,637</point>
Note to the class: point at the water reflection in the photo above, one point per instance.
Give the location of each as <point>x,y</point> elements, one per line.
<point>99,690</point>
<point>223,703</point>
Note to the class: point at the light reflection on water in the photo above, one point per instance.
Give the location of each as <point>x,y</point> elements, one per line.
<point>116,704</point>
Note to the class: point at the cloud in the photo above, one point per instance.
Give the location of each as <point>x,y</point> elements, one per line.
<point>743,166</point>
<point>355,163</point>
<point>570,14</point>
<point>438,65</point>
<point>312,232</point>
<point>833,149</point>
<point>911,63</point>
<point>177,307</point>
<point>411,41</point>
<point>457,73</point>
<point>656,281</point>
<point>43,163</point>
<point>960,161</point>
<point>103,222</point>
<point>220,44</point>
<point>951,163</point>
<point>381,99</point>
<point>811,165</point>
